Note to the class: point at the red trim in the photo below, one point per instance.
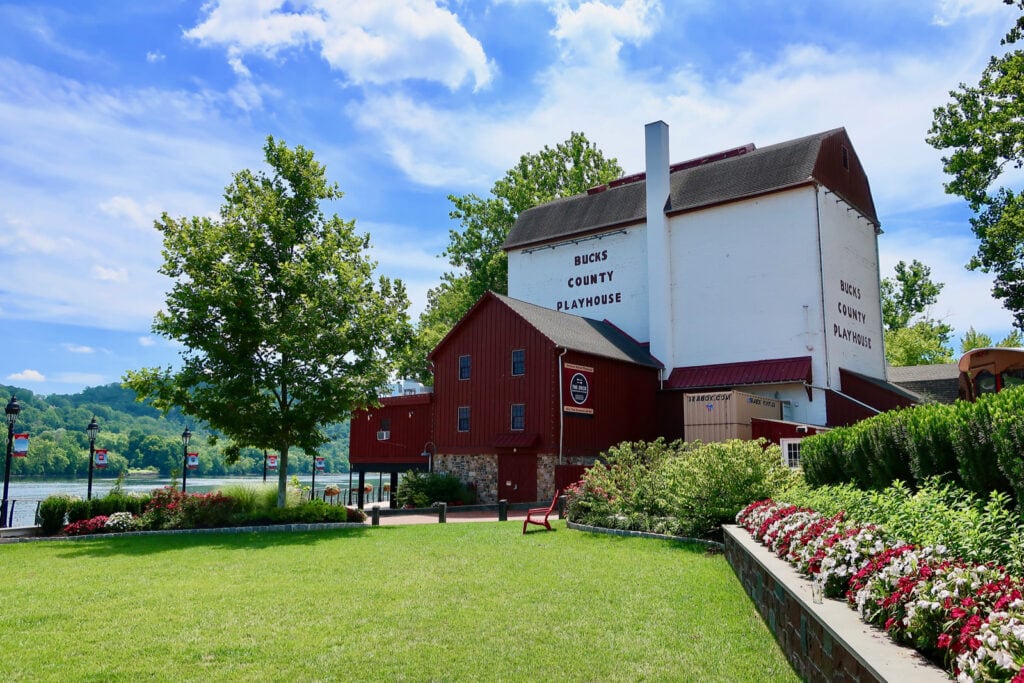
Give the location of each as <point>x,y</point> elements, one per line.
<point>772,371</point>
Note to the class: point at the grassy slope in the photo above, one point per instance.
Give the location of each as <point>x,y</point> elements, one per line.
<point>459,602</point>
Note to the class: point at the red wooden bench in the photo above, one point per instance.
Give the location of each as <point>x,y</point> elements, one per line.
<point>537,512</point>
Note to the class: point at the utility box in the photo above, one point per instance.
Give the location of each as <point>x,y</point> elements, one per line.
<point>723,415</point>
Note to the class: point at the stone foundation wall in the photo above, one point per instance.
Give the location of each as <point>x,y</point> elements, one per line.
<point>479,470</point>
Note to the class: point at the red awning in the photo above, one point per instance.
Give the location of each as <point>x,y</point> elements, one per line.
<point>516,440</point>
<point>773,371</point>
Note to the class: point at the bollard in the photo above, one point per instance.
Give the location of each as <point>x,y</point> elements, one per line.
<point>375,515</point>
<point>442,513</point>
<point>561,507</point>
<point>503,510</point>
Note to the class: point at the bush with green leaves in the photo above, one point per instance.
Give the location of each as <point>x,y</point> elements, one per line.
<point>420,490</point>
<point>687,489</point>
<point>939,513</point>
<point>976,446</point>
<point>310,512</point>
<point>79,510</point>
<point>53,513</point>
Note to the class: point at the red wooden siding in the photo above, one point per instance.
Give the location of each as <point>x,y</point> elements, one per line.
<point>489,335</point>
<point>774,430</point>
<point>623,398</point>
<point>410,427</point>
<point>850,181</point>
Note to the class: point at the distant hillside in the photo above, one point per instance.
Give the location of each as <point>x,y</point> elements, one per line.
<point>135,435</point>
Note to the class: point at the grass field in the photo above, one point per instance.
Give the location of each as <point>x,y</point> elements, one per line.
<point>455,602</point>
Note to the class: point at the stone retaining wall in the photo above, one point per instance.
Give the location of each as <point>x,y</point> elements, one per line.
<point>823,642</point>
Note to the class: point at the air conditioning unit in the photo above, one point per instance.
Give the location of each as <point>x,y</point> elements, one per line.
<point>383,435</point>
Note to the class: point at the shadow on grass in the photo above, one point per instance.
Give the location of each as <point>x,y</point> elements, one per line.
<point>150,544</point>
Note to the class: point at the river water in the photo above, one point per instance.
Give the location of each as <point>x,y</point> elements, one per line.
<point>27,493</point>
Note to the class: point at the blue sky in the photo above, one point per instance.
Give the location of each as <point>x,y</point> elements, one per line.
<point>113,112</point>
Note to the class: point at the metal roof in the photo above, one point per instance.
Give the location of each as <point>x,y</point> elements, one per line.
<point>772,371</point>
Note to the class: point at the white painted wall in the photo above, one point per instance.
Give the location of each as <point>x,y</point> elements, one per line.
<point>603,278</point>
<point>853,309</point>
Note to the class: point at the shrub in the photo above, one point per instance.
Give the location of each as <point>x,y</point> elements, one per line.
<point>53,513</point>
<point>679,489</point>
<point>94,525</point>
<point>312,512</point>
<point>420,490</point>
<point>120,521</point>
<point>249,498</point>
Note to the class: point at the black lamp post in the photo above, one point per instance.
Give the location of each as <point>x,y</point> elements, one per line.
<point>12,411</point>
<point>186,436</point>
<point>93,429</point>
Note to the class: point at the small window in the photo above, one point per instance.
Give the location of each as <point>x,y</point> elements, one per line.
<point>846,158</point>
<point>463,367</point>
<point>518,362</point>
<point>790,452</point>
<point>463,418</point>
<point>518,417</point>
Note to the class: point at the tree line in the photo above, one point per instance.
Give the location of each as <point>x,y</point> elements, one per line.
<point>136,436</point>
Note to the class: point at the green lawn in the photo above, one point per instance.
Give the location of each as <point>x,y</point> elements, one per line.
<point>455,602</point>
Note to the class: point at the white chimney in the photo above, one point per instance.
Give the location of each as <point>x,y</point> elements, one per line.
<point>659,253</point>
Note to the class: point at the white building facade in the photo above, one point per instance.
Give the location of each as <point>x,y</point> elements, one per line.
<point>754,269</point>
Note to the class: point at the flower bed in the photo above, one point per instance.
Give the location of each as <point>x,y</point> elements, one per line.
<point>966,617</point>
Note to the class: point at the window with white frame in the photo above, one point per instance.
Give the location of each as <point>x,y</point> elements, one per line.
<point>790,452</point>
<point>518,417</point>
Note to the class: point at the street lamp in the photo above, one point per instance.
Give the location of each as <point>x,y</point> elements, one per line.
<point>186,436</point>
<point>12,411</point>
<point>427,454</point>
<point>93,429</point>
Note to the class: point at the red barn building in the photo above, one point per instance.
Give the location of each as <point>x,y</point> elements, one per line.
<point>391,438</point>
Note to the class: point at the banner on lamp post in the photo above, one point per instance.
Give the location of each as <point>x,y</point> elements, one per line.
<point>100,459</point>
<point>20,449</point>
<point>192,462</point>
<point>271,462</point>
<point>319,462</point>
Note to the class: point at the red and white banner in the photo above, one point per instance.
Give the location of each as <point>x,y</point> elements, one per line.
<point>20,445</point>
<point>192,462</point>
<point>319,462</point>
<point>271,462</point>
<point>577,388</point>
<point>100,458</point>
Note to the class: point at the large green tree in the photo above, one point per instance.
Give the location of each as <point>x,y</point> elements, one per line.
<point>973,339</point>
<point>983,127</point>
<point>283,323</point>
<point>475,249</point>
<point>911,336</point>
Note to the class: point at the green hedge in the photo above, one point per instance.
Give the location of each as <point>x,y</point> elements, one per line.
<point>976,446</point>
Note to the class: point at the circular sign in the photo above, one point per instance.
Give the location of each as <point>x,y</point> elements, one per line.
<point>579,388</point>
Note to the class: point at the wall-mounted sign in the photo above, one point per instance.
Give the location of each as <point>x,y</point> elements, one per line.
<point>100,458</point>
<point>20,445</point>
<point>271,462</point>
<point>192,461</point>
<point>577,383</point>
<point>319,462</point>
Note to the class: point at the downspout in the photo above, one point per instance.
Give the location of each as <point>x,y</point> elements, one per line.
<point>561,405</point>
<point>821,284</point>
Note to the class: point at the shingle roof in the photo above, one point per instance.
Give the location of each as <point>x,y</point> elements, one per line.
<point>939,383</point>
<point>721,180</point>
<point>596,337</point>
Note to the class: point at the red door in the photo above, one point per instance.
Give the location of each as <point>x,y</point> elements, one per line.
<point>517,478</point>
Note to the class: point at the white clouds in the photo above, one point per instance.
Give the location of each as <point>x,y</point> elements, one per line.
<point>105,274</point>
<point>155,56</point>
<point>147,341</point>
<point>594,32</point>
<point>370,42</point>
<point>141,216</point>
<point>26,376</point>
<point>948,12</point>
<point>78,348</point>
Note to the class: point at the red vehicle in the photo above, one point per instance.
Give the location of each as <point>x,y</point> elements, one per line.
<point>989,371</point>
